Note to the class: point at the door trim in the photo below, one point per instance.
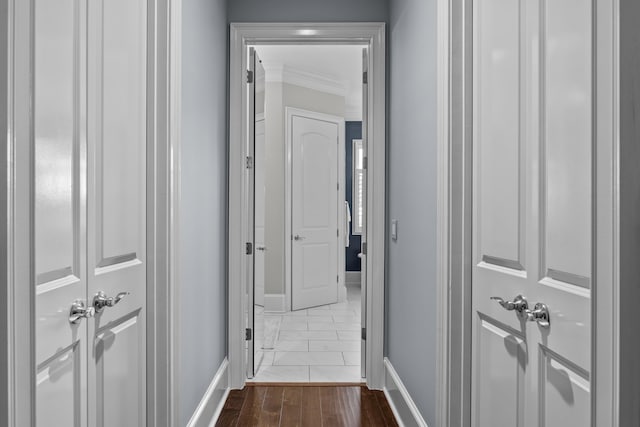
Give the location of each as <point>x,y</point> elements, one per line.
<point>454,215</point>
<point>289,113</point>
<point>367,34</point>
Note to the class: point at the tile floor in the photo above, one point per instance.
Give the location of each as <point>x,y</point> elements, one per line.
<point>320,344</point>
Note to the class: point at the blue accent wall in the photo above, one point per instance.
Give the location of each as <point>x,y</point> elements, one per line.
<point>353,131</point>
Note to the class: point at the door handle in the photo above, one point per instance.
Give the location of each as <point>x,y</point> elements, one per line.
<point>78,312</point>
<point>100,300</point>
<point>298,237</point>
<point>540,314</point>
<point>261,248</point>
<point>519,305</point>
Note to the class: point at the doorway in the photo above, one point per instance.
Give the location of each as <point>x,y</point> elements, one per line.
<point>242,258</point>
<point>306,322</point>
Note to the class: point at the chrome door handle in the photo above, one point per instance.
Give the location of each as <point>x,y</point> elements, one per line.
<point>298,237</point>
<point>519,305</point>
<point>78,312</point>
<point>540,314</point>
<point>261,248</point>
<point>100,300</point>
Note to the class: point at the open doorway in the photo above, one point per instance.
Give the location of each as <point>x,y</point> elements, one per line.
<point>308,203</point>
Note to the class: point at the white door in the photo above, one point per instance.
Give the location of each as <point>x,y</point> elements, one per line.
<point>260,212</point>
<point>314,212</point>
<point>90,122</point>
<point>532,226</point>
<point>363,191</point>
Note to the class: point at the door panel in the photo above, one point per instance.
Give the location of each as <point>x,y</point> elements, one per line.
<point>503,355</point>
<point>116,224</point>
<point>261,192</point>
<point>314,212</point>
<point>59,227</point>
<point>532,208</point>
<point>500,213</point>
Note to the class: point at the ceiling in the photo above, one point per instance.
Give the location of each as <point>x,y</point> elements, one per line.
<point>339,62</point>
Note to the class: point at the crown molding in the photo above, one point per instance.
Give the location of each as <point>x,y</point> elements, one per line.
<point>310,80</point>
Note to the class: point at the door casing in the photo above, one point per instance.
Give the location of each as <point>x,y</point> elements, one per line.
<point>17,305</point>
<point>366,34</point>
<point>454,214</point>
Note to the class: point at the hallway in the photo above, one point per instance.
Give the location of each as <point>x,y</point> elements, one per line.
<point>306,406</point>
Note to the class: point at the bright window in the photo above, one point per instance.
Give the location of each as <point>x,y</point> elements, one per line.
<point>357,208</point>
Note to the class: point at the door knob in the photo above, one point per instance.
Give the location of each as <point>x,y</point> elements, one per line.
<point>540,314</point>
<point>78,312</point>
<point>100,300</point>
<point>298,237</point>
<point>519,305</point>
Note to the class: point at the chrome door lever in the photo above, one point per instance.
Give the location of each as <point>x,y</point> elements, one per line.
<point>540,314</point>
<point>298,237</point>
<point>78,312</point>
<point>100,300</point>
<point>519,305</point>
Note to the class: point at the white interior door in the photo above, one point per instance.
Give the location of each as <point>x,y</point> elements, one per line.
<point>532,225</point>
<point>60,209</point>
<point>116,220</point>
<point>260,212</point>
<point>90,129</point>
<point>363,190</point>
<point>314,212</point>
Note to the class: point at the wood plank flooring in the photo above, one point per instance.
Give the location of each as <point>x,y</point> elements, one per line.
<point>312,406</point>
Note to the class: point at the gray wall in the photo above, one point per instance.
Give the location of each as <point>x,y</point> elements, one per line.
<point>203,205</point>
<point>411,260</point>
<point>307,10</point>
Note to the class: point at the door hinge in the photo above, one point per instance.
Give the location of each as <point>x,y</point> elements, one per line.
<point>338,232</point>
<point>365,78</point>
<point>364,333</point>
<point>249,162</point>
<point>338,278</point>
<point>364,248</point>
<point>249,76</point>
<point>248,334</point>
<point>365,162</point>
<point>338,186</point>
<point>249,248</point>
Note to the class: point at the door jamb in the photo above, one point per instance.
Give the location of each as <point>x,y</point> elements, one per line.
<point>289,113</point>
<point>454,213</point>
<point>373,35</point>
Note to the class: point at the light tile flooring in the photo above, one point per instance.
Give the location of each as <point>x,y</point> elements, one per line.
<point>320,344</point>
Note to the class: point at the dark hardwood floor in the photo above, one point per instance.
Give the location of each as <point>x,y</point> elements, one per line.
<point>295,405</point>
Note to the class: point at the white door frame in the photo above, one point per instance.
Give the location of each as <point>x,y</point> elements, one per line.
<point>289,113</point>
<point>454,214</point>
<point>367,34</point>
<point>17,299</point>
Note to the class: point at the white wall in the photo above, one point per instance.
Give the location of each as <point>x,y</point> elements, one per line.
<point>203,205</point>
<point>278,97</point>
<point>411,267</point>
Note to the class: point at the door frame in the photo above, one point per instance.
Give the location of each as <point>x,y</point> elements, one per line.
<point>17,203</point>
<point>367,34</point>
<point>454,62</point>
<point>288,215</point>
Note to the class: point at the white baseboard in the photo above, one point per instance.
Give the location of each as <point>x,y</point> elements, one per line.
<point>212,402</point>
<point>274,303</point>
<point>402,405</point>
<point>352,278</point>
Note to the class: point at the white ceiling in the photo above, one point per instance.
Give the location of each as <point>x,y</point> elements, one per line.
<point>340,63</point>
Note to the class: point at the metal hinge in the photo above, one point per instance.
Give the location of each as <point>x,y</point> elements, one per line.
<point>338,186</point>
<point>249,248</point>
<point>249,76</point>
<point>248,334</point>
<point>249,162</point>
<point>338,232</point>
<point>365,162</point>
<point>365,78</point>
<point>364,248</point>
<point>364,333</point>
<point>338,279</point>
